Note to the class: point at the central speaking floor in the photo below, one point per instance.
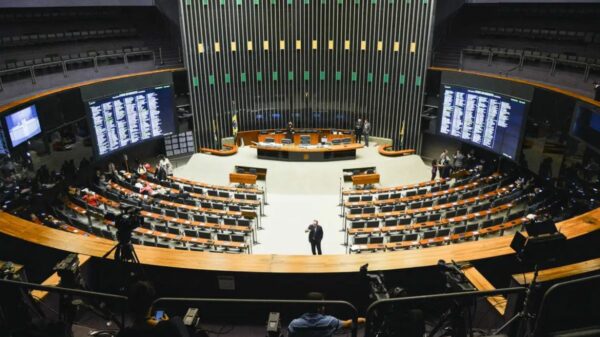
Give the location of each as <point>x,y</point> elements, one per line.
<point>298,192</point>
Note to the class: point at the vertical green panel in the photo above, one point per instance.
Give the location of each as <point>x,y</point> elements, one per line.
<point>227,78</point>
<point>243,77</point>
<point>340,2</point>
<point>258,76</point>
<point>222,2</point>
<point>323,2</point>
<point>275,76</point>
<point>402,79</point>
<point>425,2</point>
<point>338,75</point>
<point>392,1</point>
<point>238,2</point>
<point>256,2</point>
<point>418,81</point>
<point>290,75</point>
<point>322,75</point>
<point>306,2</point>
<point>195,81</point>
<point>373,2</point>
<point>289,2</point>
<point>205,2</point>
<point>211,79</point>
<point>357,2</point>
<point>386,78</point>
<point>370,77</point>
<point>354,76</point>
<point>273,2</point>
<point>408,2</point>
<point>188,2</point>
<point>306,75</point>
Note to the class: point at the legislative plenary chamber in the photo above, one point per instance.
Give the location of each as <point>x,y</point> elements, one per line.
<point>300,168</point>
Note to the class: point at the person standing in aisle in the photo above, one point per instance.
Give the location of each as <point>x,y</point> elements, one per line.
<point>315,235</point>
<point>358,129</point>
<point>366,131</point>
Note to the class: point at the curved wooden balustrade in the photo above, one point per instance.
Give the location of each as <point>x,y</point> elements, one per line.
<point>269,263</point>
<point>228,150</point>
<point>385,150</point>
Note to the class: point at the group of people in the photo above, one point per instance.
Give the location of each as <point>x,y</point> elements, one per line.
<point>362,128</point>
<point>447,164</point>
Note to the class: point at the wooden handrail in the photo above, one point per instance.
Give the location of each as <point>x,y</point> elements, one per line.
<point>13,226</point>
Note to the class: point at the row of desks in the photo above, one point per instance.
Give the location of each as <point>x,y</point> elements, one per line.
<point>430,224</point>
<point>246,202</point>
<point>158,234</point>
<point>396,188</point>
<point>425,196</point>
<point>439,240</point>
<point>498,192</point>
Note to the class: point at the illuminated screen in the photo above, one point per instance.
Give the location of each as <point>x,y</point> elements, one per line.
<point>485,119</point>
<point>131,117</point>
<point>23,125</point>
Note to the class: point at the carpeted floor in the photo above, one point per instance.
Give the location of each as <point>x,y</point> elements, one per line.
<point>298,192</point>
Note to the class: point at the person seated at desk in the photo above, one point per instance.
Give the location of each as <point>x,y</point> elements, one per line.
<point>316,323</point>
<point>146,189</point>
<point>91,199</point>
<point>141,296</point>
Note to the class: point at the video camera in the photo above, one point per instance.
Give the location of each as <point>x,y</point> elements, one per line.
<point>456,280</point>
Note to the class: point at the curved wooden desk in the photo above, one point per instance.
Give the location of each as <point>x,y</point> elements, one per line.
<point>228,150</point>
<point>251,136</point>
<point>298,153</point>
<point>270,263</point>
<point>384,150</point>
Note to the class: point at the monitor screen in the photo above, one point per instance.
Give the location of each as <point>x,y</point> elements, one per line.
<point>131,117</point>
<point>23,125</point>
<point>485,119</point>
<point>586,125</point>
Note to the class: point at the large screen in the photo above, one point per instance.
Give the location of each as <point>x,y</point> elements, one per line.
<point>485,119</point>
<point>586,125</point>
<point>131,117</point>
<point>23,125</point>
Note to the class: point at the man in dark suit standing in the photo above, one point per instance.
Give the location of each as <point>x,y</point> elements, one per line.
<point>315,235</point>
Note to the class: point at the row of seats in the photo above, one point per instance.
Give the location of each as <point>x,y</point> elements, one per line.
<point>66,14</point>
<point>587,37</point>
<point>77,59</point>
<point>61,37</point>
<point>208,192</point>
<point>168,235</point>
<point>434,235</point>
<point>529,54</point>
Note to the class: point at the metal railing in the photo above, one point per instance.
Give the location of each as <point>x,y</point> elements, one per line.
<point>522,58</point>
<point>377,305</point>
<point>69,294</point>
<point>351,309</point>
<point>125,57</point>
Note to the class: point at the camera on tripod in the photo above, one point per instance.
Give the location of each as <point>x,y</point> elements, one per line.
<point>126,222</point>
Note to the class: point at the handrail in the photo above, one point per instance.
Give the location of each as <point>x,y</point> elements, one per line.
<point>550,292</point>
<point>458,295</point>
<point>345,304</point>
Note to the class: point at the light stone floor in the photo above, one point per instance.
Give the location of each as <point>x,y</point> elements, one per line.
<point>298,192</point>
